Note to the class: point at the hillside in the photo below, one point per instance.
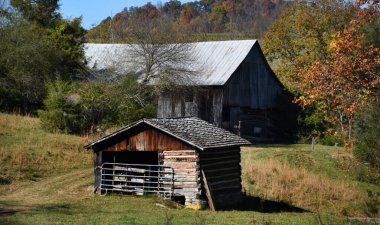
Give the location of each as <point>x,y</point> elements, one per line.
<point>202,20</point>
<point>285,184</point>
<point>29,153</point>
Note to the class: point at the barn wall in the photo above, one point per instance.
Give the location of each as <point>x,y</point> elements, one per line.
<point>253,85</point>
<point>250,97</point>
<point>223,173</point>
<point>170,106</point>
<point>206,103</point>
<point>186,173</point>
<point>210,105</point>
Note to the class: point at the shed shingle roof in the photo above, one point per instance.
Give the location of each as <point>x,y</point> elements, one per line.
<point>191,130</point>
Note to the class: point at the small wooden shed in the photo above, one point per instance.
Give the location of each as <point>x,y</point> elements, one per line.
<point>186,158</point>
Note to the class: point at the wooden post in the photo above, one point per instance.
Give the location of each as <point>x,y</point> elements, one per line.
<point>209,193</point>
<point>313,143</point>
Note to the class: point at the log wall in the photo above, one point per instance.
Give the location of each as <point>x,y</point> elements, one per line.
<point>186,173</point>
<point>223,172</point>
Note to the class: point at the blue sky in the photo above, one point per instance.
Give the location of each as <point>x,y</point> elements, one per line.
<point>94,11</point>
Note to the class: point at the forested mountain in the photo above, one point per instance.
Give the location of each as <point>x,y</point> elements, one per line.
<point>239,18</point>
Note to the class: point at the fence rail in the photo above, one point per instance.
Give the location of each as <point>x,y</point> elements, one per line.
<point>137,179</point>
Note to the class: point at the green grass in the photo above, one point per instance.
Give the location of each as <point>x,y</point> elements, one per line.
<point>54,180</point>
<point>28,152</point>
<point>64,199</point>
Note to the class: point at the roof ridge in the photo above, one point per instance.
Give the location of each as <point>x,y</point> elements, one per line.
<point>191,130</point>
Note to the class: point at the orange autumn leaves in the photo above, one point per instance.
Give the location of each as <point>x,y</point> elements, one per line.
<point>347,79</point>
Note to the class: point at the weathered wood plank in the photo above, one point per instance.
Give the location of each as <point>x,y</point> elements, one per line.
<point>184,159</point>
<point>233,162</point>
<point>209,192</point>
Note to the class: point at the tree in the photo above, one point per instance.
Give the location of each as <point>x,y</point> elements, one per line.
<point>346,80</point>
<point>44,12</point>
<point>28,60</point>
<point>188,12</point>
<point>62,109</point>
<point>218,16</point>
<point>301,35</point>
<point>37,46</point>
<point>82,107</point>
<point>367,133</point>
<point>172,8</point>
<point>159,52</point>
<point>68,37</point>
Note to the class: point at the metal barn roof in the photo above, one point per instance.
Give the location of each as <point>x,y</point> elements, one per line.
<point>214,62</point>
<point>191,130</point>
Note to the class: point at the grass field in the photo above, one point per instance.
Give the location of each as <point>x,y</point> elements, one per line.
<point>46,179</point>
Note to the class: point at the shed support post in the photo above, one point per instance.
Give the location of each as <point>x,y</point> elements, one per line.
<point>97,170</point>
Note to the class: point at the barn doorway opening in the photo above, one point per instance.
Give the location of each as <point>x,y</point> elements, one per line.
<point>136,172</point>
<point>132,157</point>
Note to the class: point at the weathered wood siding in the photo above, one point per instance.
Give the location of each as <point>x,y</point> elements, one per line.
<point>223,172</point>
<point>170,106</point>
<point>206,104</point>
<point>154,140</point>
<point>148,139</point>
<point>253,84</point>
<point>249,96</point>
<point>186,173</point>
<point>210,105</point>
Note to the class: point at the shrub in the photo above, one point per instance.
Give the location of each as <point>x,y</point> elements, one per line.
<point>331,140</point>
<point>62,111</point>
<point>366,134</point>
<point>97,105</point>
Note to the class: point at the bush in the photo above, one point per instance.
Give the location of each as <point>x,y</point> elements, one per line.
<point>62,111</point>
<point>331,140</point>
<point>92,106</point>
<point>366,134</point>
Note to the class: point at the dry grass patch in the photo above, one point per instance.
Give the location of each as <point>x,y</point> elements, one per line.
<point>274,180</point>
<point>28,152</point>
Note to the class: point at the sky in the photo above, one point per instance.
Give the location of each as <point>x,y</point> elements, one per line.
<point>94,11</point>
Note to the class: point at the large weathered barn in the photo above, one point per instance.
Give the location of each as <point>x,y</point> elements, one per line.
<point>182,157</point>
<point>237,90</point>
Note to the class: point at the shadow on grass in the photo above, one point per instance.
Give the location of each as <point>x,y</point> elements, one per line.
<point>250,203</point>
<point>8,209</point>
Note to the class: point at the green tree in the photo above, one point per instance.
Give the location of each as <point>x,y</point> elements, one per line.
<point>36,46</point>
<point>68,37</point>
<point>62,110</point>
<point>367,133</point>
<point>83,107</point>
<point>301,35</point>
<point>28,60</point>
<point>44,12</point>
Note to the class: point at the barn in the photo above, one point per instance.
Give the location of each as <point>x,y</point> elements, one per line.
<point>234,87</point>
<point>183,158</point>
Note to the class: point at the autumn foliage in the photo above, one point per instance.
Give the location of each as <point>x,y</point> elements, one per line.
<point>346,81</point>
